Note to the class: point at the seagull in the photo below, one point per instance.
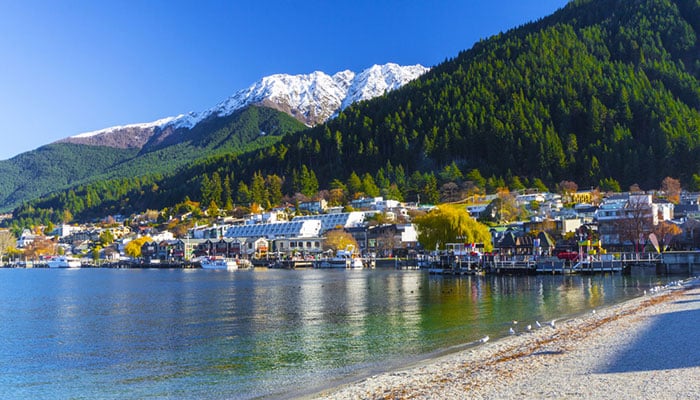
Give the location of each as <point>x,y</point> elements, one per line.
<point>511,331</point>
<point>537,324</point>
<point>484,339</point>
<point>528,328</point>
<point>515,322</point>
<point>551,323</point>
<point>592,311</point>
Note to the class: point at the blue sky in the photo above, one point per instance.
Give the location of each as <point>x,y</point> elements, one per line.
<point>74,66</point>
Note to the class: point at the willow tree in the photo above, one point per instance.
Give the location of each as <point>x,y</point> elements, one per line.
<point>451,224</point>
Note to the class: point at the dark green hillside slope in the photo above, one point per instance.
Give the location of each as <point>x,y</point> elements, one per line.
<point>53,167</point>
<point>605,88</point>
<point>61,166</point>
<point>246,130</point>
<point>136,182</point>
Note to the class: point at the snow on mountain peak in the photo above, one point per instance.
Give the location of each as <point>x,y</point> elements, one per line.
<point>311,98</point>
<point>145,125</point>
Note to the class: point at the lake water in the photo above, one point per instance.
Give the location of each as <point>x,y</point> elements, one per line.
<point>104,333</point>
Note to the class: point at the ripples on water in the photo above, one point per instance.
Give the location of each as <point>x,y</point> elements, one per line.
<point>93,333</point>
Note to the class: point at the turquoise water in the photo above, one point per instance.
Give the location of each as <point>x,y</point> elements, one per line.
<point>102,333</point>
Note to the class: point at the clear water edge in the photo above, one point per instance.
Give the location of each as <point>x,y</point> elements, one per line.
<point>262,333</point>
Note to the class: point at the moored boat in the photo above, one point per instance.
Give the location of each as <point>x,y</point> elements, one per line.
<point>63,262</point>
<point>342,259</point>
<point>216,262</point>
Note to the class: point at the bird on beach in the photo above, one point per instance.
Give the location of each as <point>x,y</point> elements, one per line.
<point>592,311</point>
<point>528,328</point>
<point>511,331</point>
<point>551,323</point>
<point>537,324</point>
<point>484,339</point>
<point>515,322</point>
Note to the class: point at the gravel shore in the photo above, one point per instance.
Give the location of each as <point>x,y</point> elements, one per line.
<point>644,348</point>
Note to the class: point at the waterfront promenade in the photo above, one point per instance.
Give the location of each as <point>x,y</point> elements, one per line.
<point>644,348</point>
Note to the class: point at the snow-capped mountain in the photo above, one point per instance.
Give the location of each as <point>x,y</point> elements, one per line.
<point>312,99</point>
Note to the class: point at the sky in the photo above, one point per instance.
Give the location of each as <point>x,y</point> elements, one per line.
<point>74,66</point>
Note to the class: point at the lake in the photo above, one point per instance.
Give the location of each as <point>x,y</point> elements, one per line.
<point>108,333</point>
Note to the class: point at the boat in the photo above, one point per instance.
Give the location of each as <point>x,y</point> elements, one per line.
<point>63,262</point>
<point>216,262</point>
<point>342,259</point>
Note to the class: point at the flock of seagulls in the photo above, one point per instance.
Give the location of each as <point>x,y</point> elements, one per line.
<point>552,324</point>
<point>658,288</point>
<point>529,328</point>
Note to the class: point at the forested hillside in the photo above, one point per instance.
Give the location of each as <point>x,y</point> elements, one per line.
<point>602,89</point>
<point>51,167</point>
<point>603,92</point>
<point>60,166</point>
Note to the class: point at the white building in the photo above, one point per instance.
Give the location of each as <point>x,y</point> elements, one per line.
<point>332,221</point>
<point>275,230</point>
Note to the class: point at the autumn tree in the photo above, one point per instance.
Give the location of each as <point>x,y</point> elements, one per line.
<point>133,248</point>
<point>567,189</point>
<point>338,239</point>
<point>41,246</point>
<point>672,188</point>
<point>503,209</point>
<point>8,241</point>
<point>450,224</point>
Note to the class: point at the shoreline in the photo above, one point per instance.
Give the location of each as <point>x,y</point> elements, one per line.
<point>596,355</point>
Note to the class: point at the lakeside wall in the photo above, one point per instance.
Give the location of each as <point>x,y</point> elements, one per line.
<point>680,262</point>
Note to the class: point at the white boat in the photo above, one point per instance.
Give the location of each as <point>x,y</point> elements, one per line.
<point>342,259</point>
<point>216,262</point>
<point>63,262</point>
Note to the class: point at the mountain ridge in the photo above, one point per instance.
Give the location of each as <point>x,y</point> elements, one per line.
<point>310,98</point>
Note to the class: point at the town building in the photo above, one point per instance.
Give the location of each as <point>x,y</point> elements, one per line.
<point>335,221</point>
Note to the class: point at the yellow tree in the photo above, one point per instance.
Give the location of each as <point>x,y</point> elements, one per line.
<point>7,243</point>
<point>133,248</point>
<point>451,224</point>
<point>338,239</point>
<point>672,188</point>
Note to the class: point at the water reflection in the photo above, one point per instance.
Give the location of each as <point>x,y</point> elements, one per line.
<point>171,333</point>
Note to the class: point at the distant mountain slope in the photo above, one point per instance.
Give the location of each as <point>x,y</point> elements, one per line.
<point>244,122</point>
<point>52,167</point>
<point>60,166</point>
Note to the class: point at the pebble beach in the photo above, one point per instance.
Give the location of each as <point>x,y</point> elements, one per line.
<point>644,348</point>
